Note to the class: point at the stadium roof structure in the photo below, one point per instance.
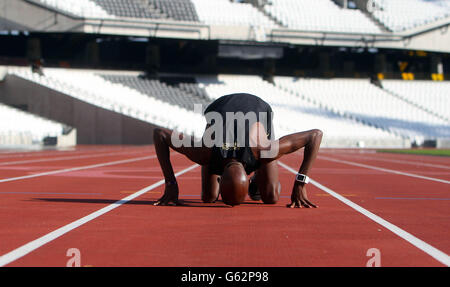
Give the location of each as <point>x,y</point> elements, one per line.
<point>7,25</point>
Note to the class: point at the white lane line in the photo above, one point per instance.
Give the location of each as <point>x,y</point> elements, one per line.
<point>59,193</point>
<point>413,198</point>
<point>422,245</point>
<point>385,169</point>
<point>51,153</point>
<point>419,163</point>
<point>37,243</point>
<point>65,158</point>
<point>76,168</point>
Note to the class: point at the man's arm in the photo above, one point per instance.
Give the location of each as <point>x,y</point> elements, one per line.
<point>162,139</point>
<point>310,140</point>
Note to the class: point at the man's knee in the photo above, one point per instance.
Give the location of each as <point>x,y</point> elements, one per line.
<point>317,134</point>
<point>210,185</point>
<point>271,193</point>
<point>207,198</point>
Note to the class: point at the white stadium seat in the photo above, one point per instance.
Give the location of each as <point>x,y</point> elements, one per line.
<point>20,128</point>
<point>360,99</point>
<point>224,12</point>
<point>399,15</point>
<point>431,96</point>
<point>83,8</point>
<point>320,15</point>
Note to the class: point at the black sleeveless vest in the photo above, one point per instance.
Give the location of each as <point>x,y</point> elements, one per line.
<point>241,151</point>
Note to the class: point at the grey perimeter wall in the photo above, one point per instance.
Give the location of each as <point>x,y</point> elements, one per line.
<point>94,125</point>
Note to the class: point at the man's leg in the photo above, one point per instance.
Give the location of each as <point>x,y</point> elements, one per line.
<point>268,183</point>
<point>210,185</point>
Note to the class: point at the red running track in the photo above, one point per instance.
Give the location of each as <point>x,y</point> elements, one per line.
<point>136,233</point>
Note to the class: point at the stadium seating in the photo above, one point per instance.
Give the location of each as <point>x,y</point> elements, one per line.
<point>320,15</point>
<point>224,12</point>
<point>399,15</point>
<point>431,96</point>
<point>21,128</point>
<point>93,88</point>
<point>360,99</point>
<point>293,113</point>
<point>182,10</point>
<point>183,94</point>
<point>351,112</point>
<point>128,8</point>
<point>304,15</point>
<point>82,8</point>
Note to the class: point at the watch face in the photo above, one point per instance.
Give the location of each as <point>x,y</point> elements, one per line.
<point>302,178</point>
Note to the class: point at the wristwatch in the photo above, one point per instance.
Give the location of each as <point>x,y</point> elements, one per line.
<point>302,178</point>
<point>171,182</point>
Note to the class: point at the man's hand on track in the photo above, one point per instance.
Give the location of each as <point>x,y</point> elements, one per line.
<point>299,198</point>
<point>170,196</point>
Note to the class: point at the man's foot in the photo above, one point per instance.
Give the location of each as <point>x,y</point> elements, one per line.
<point>253,191</point>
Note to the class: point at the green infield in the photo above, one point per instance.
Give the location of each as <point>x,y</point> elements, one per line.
<point>435,152</point>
